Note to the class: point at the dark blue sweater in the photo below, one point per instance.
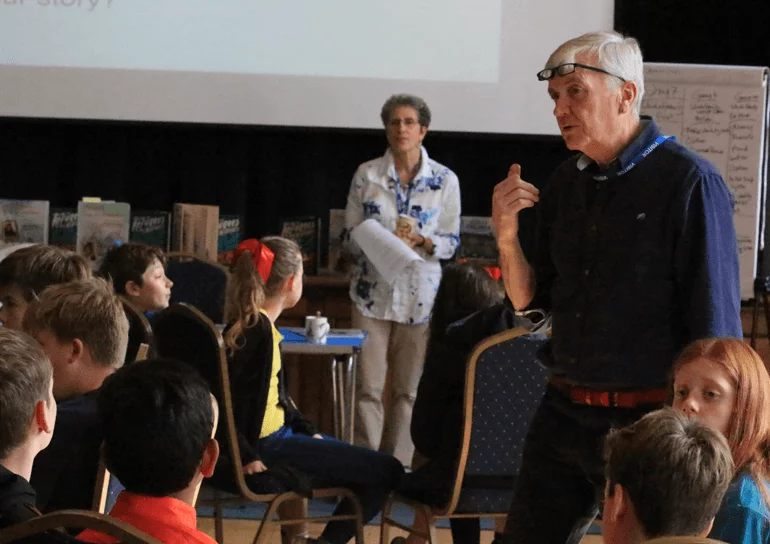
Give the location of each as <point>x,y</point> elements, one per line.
<point>635,267</point>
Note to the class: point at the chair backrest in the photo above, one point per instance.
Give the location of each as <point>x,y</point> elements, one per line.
<point>185,334</point>
<point>107,487</point>
<point>504,385</point>
<point>683,540</point>
<point>198,282</point>
<point>77,519</point>
<point>101,489</point>
<point>139,330</point>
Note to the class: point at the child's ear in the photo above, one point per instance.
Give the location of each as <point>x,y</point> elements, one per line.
<point>620,503</point>
<point>43,422</point>
<point>132,288</point>
<point>77,349</point>
<point>210,457</point>
<point>289,285</point>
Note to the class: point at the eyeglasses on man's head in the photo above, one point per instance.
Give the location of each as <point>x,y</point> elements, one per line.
<point>568,68</point>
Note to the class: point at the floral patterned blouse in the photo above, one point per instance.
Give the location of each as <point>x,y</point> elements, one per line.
<point>433,200</point>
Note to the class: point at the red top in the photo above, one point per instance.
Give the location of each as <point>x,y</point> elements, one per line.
<point>169,520</point>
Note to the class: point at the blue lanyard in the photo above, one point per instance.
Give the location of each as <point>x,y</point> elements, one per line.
<point>401,206</point>
<point>637,159</point>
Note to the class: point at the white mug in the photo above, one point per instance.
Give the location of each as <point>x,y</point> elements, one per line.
<point>316,329</point>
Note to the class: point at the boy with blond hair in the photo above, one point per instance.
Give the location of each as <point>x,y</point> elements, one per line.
<point>27,271</point>
<point>27,417</point>
<point>666,477</point>
<point>82,327</point>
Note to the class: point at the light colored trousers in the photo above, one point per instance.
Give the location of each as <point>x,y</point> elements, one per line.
<point>402,347</point>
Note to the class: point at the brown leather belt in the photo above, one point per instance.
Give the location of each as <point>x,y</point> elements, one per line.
<point>620,399</point>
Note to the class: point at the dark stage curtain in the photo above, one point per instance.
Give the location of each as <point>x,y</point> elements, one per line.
<point>263,173</point>
<point>698,31</point>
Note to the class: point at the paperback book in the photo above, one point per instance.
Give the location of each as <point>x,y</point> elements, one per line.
<point>63,230</point>
<point>24,221</point>
<point>196,229</point>
<point>230,234</point>
<point>305,231</point>
<point>152,228</point>
<point>101,225</point>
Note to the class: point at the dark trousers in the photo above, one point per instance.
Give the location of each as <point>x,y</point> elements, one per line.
<point>561,481</point>
<point>369,474</point>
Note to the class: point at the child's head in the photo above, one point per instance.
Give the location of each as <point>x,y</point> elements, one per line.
<point>464,289</point>
<point>267,270</point>
<point>158,420</point>
<point>84,330</point>
<point>138,272</point>
<point>27,406</point>
<point>724,383</point>
<point>27,271</point>
<point>666,476</point>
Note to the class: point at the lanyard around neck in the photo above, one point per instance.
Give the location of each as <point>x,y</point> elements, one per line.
<point>403,205</point>
<point>636,160</point>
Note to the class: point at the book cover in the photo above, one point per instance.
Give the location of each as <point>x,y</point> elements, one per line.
<point>100,226</point>
<point>337,258</point>
<point>196,229</point>
<point>230,234</point>
<point>305,232</point>
<point>24,221</point>
<point>63,231</point>
<point>477,239</point>
<point>151,227</point>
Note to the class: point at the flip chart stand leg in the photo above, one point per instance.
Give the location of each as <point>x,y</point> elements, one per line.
<point>761,290</point>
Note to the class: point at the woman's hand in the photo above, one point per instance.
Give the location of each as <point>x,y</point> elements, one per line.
<point>418,240</point>
<point>255,467</point>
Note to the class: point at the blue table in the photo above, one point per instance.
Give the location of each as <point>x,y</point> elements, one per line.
<point>343,345</point>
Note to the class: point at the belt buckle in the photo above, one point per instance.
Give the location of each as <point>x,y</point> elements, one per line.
<point>608,399</point>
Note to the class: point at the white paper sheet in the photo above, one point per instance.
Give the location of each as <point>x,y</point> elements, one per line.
<point>389,254</point>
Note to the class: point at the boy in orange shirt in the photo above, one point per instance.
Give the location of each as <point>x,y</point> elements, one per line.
<point>158,419</point>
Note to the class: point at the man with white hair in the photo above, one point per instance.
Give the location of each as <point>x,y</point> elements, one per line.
<point>635,257</point>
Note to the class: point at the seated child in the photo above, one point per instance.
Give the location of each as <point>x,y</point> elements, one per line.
<point>267,278</point>
<point>82,327</point>
<point>159,420</point>
<point>27,416</point>
<point>137,271</point>
<point>468,308</point>
<point>27,271</point>
<point>666,475</point>
<point>437,416</point>
<point>724,383</point>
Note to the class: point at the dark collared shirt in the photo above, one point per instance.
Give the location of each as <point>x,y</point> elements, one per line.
<point>64,474</point>
<point>635,267</point>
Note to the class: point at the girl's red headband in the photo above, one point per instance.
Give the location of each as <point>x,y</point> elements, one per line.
<point>263,256</point>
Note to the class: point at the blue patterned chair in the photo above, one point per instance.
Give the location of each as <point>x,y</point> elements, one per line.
<point>198,282</point>
<point>504,385</point>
